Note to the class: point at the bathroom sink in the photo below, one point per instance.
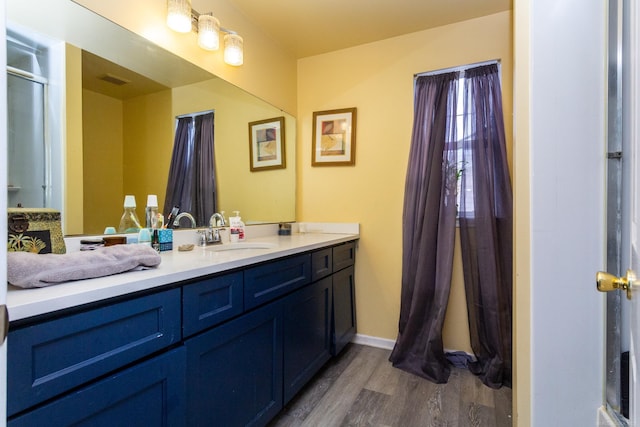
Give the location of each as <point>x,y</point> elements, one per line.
<point>240,246</point>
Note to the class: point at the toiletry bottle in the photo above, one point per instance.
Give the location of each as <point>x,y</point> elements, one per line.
<point>151,212</point>
<point>155,240</point>
<point>129,222</point>
<point>236,225</point>
<point>144,237</point>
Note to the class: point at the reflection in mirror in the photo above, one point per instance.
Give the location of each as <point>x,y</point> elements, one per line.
<point>28,162</point>
<point>192,184</point>
<point>115,130</point>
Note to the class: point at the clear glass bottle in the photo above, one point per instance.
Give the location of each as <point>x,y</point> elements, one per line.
<point>129,222</point>
<point>151,212</point>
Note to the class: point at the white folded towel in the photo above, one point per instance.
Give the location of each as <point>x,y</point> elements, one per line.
<point>29,270</point>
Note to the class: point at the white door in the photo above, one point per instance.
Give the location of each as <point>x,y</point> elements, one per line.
<point>3,208</point>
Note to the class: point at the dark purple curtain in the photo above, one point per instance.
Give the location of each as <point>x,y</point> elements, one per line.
<point>180,181</point>
<point>486,227</point>
<point>438,159</point>
<point>204,201</point>
<point>429,220</point>
<point>191,184</point>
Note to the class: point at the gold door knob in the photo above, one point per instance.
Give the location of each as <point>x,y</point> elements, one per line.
<point>608,282</point>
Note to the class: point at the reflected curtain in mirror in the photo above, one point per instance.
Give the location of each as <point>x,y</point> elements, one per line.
<point>191,184</point>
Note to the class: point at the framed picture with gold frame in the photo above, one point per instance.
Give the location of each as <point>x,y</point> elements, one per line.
<point>267,144</point>
<point>334,138</point>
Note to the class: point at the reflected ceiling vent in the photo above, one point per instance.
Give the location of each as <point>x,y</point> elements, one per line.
<point>113,79</point>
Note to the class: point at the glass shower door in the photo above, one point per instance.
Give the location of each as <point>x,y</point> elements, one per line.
<point>28,180</point>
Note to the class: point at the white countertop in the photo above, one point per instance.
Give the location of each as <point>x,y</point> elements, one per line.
<point>175,267</point>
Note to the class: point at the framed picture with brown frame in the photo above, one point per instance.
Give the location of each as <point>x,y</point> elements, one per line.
<point>334,138</point>
<point>267,144</point>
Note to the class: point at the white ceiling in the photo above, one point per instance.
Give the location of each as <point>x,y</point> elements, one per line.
<point>311,27</point>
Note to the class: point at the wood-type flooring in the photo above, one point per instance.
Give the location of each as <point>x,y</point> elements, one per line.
<point>361,388</point>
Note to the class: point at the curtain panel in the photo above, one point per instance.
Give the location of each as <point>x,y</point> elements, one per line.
<point>429,220</point>
<point>486,230</point>
<point>191,184</point>
<point>448,146</point>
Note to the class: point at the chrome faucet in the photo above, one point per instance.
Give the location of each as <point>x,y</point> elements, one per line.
<point>217,220</point>
<point>176,222</point>
<point>212,235</point>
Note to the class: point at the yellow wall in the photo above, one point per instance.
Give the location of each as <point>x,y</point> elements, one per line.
<point>73,189</point>
<point>102,161</point>
<point>148,145</point>
<point>377,78</point>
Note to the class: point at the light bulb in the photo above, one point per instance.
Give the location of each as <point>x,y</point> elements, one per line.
<point>208,32</point>
<point>179,15</point>
<point>233,48</point>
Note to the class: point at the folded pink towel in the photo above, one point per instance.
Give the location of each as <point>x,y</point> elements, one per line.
<point>29,270</point>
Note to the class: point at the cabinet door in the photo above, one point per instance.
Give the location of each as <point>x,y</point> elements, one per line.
<point>344,309</point>
<point>148,394</point>
<point>234,371</point>
<point>307,334</point>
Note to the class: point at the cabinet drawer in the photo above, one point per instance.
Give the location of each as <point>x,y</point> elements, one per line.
<point>151,393</point>
<point>344,255</point>
<point>321,264</point>
<point>211,301</point>
<point>268,281</point>
<point>51,357</point>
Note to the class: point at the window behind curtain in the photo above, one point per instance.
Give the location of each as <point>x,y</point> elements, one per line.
<point>463,163</point>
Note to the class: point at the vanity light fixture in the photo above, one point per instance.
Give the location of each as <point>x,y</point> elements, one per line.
<point>233,54</point>
<point>179,15</point>
<point>208,32</point>
<point>183,19</point>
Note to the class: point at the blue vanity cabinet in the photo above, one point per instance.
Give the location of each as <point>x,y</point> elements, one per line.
<point>151,393</point>
<point>307,334</point>
<point>234,371</point>
<point>228,349</point>
<point>51,357</point>
<point>344,296</point>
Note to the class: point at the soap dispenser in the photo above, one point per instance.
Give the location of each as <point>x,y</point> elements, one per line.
<point>236,226</point>
<point>129,222</point>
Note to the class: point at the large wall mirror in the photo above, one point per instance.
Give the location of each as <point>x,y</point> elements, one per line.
<point>113,101</point>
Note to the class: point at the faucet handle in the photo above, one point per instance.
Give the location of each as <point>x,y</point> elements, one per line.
<point>202,240</point>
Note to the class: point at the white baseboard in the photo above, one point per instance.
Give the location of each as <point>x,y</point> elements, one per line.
<point>385,343</point>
